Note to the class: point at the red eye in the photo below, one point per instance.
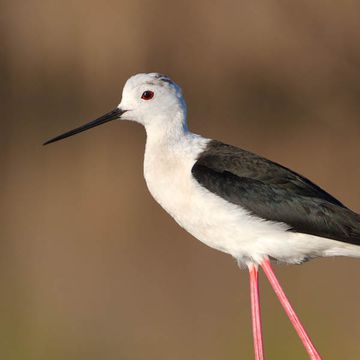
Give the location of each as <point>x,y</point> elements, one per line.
<point>147,95</point>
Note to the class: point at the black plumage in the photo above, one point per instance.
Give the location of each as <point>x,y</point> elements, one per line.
<point>273,192</point>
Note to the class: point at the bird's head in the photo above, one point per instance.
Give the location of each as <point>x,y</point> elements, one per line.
<point>148,97</point>
<point>152,100</point>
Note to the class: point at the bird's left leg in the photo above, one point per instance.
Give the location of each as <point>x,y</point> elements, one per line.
<point>309,346</point>
<point>255,312</point>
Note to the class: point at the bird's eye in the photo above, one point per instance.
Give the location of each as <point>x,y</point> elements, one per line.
<point>147,95</point>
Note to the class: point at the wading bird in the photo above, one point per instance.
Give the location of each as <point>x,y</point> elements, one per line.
<point>230,199</point>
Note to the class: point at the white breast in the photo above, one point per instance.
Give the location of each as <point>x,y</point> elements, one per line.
<point>212,220</point>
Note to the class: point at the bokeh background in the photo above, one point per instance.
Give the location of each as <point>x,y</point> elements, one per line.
<point>90,266</point>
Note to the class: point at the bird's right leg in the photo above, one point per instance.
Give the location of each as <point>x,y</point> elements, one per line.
<point>255,312</point>
<point>309,346</point>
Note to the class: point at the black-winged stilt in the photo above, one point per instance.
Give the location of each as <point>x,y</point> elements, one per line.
<point>230,199</point>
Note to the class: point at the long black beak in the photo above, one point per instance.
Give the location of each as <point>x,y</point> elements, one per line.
<point>112,115</point>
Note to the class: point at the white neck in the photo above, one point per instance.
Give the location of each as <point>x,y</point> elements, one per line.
<point>165,130</point>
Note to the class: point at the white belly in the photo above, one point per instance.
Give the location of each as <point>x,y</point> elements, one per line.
<point>214,221</point>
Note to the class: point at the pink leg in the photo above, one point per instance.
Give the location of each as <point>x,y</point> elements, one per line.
<point>309,346</point>
<point>255,312</point>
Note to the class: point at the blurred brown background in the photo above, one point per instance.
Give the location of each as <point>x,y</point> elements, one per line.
<point>90,266</point>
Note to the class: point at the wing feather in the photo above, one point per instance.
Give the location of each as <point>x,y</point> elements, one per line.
<point>273,192</point>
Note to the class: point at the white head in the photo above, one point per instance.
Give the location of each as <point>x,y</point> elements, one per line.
<point>152,100</point>
<point>153,97</point>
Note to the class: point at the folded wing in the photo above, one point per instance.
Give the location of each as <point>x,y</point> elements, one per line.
<point>273,192</point>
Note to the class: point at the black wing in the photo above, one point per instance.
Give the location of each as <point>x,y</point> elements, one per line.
<point>273,192</point>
